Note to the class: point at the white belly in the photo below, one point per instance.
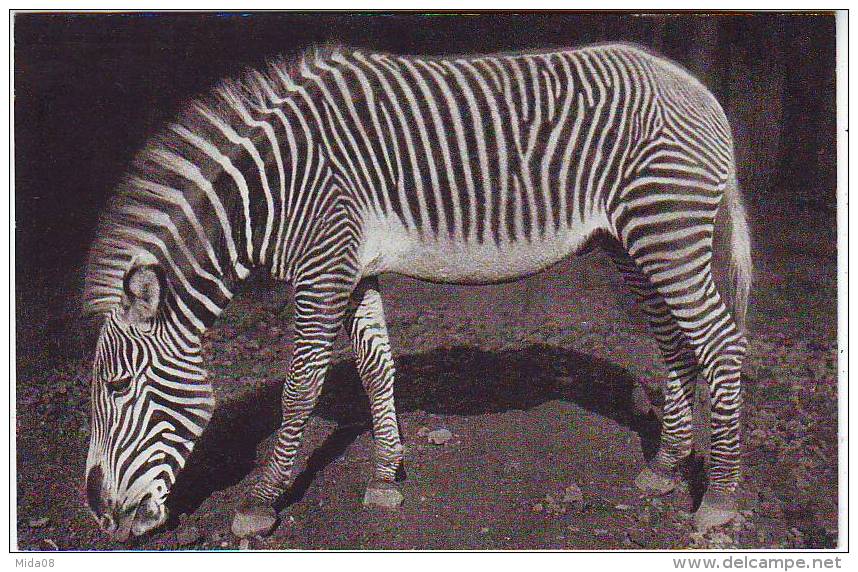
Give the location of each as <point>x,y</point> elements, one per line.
<point>389,247</point>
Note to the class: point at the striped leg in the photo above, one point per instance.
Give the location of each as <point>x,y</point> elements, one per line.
<point>318,318</point>
<point>677,422</point>
<point>368,330</point>
<point>321,299</point>
<point>688,288</point>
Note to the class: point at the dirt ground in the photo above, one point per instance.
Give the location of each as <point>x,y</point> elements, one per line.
<point>535,381</point>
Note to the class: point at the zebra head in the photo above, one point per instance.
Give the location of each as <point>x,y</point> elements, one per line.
<point>150,402</point>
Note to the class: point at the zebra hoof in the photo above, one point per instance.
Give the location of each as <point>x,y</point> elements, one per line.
<point>254,521</point>
<point>382,494</point>
<point>716,509</point>
<point>655,482</point>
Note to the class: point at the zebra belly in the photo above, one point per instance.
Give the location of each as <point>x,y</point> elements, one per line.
<point>389,247</point>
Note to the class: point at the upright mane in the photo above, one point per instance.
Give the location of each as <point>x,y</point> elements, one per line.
<point>154,201</point>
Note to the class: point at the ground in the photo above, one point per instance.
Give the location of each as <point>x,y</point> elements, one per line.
<point>537,382</point>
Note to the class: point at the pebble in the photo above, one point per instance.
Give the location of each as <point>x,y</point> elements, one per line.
<point>623,507</point>
<point>244,544</point>
<point>383,496</point>
<point>258,523</point>
<point>39,522</point>
<point>537,507</point>
<point>511,467</point>
<point>572,494</point>
<point>439,436</point>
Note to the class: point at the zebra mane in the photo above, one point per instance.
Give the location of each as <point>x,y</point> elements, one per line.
<point>115,247</point>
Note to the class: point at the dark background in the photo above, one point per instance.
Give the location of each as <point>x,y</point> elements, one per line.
<point>89,89</point>
<point>535,389</point>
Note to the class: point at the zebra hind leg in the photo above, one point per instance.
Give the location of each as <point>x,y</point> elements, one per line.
<point>660,477</point>
<point>367,328</point>
<point>689,290</point>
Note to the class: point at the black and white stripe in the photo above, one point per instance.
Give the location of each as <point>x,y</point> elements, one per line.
<point>474,169</point>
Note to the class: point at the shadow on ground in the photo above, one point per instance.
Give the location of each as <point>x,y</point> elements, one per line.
<point>462,381</point>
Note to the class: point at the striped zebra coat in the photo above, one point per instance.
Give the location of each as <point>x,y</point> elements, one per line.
<point>349,164</point>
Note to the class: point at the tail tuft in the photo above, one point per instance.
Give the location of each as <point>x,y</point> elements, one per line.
<point>741,266</point>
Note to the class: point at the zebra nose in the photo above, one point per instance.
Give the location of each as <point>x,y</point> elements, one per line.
<point>94,481</point>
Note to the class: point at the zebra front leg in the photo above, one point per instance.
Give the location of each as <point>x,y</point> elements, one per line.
<point>319,313</point>
<point>660,478</point>
<point>368,330</point>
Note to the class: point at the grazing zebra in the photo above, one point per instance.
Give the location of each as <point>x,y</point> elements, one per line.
<point>470,170</point>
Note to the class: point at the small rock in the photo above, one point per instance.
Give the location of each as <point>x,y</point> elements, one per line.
<point>572,494</point>
<point>439,436</point>
<point>758,435</point>
<point>244,544</point>
<point>188,535</point>
<point>554,505</point>
<point>255,522</point>
<point>224,544</point>
<point>50,544</point>
<point>39,522</point>
<point>600,532</point>
<point>382,495</point>
<point>511,467</point>
<point>537,507</point>
<point>623,507</point>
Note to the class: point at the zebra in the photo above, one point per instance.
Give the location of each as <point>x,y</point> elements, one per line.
<point>344,164</point>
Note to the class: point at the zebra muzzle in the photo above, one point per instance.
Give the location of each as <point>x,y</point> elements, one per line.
<point>123,523</point>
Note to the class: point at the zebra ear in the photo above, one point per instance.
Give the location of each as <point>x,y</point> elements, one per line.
<point>142,293</point>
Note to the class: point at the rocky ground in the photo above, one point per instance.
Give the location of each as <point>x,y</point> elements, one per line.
<point>535,381</point>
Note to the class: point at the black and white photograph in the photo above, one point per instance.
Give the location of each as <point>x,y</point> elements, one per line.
<point>433,281</point>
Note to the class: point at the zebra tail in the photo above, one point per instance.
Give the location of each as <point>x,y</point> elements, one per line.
<point>740,264</point>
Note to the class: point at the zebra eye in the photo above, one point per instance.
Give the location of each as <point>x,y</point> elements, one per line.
<point>120,385</point>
